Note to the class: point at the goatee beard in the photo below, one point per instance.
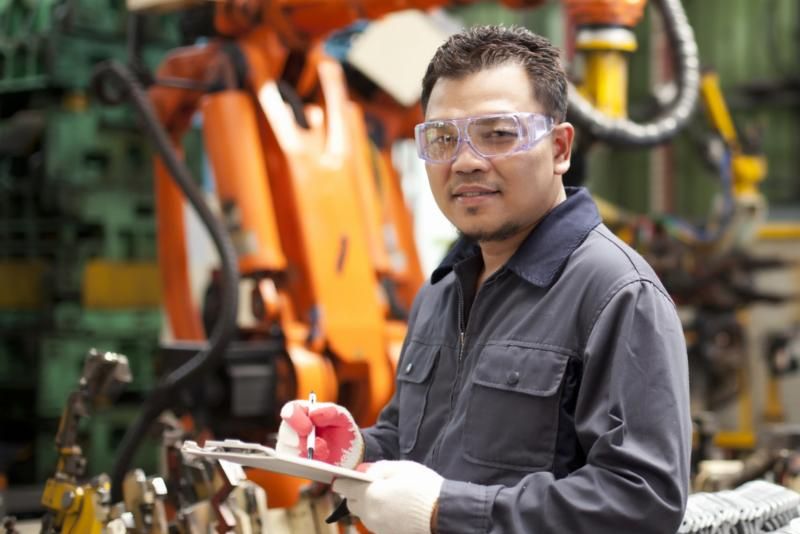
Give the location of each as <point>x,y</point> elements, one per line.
<point>509,229</point>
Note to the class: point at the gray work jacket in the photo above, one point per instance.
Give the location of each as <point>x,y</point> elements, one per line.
<point>557,400</point>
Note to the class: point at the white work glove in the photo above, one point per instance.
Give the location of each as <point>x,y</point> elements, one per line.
<point>338,440</point>
<point>400,501</point>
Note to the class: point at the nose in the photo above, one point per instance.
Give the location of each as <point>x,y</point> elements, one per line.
<point>468,160</point>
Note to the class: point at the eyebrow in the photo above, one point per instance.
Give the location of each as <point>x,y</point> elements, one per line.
<point>483,114</point>
<point>477,115</point>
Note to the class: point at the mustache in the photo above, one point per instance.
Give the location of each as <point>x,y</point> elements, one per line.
<point>488,184</point>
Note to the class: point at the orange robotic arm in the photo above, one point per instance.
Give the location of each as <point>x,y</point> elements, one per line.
<point>301,21</point>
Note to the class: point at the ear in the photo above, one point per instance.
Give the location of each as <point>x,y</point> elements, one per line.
<point>563,135</point>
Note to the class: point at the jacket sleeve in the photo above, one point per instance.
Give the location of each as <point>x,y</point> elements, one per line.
<point>381,440</point>
<point>633,422</point>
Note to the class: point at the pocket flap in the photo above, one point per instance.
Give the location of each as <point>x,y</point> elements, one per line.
<point>417,362</point>
<point>532,371</point>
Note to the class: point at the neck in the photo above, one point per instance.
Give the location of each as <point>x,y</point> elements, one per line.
<point>497,253</point>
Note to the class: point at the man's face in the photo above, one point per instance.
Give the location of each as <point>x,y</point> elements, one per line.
<point>496,199</point>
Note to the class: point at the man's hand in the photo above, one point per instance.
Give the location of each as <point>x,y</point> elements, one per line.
<point>338,440</point>
<point>400,501</point>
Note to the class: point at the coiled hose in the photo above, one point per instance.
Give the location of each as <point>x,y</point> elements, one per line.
<point>675,115</point>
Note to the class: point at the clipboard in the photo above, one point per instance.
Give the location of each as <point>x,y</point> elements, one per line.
<point>266,458</point>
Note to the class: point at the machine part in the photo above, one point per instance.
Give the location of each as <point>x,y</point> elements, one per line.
<point>608,13</point>
<point>251,499</point>
<point>10,525</point>
<point>739,208</point>
<point>144,499</point>
<point>195,519</point>
<point>705,426</point>
<point>309,514</point>
<point>237,398</point>
<point>258,243</point>
<point>103,373</point>
<point>212,496</point>
<point>62,357</point>
<point>603,40</point>
<point>675,115</point>
<point>783,358</point>
<point>783,351</point>
<point>605,80</point>
<point>227,477</point>
<point>114,82</point>
<point>719,349</point>
<point>755,507</point>
<point>71,507</point>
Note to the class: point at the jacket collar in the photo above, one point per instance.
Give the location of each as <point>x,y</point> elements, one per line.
<point>542,255</point>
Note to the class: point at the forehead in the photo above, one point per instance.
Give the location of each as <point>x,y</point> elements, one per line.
<point>500,89</point>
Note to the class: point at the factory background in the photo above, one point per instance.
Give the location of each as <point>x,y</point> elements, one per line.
<point>79,250</point>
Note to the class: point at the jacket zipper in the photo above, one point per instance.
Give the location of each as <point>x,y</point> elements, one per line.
<point>462,341</point>
<point>461,327</point>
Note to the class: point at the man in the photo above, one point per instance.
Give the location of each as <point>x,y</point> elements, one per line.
<point>543,385</point>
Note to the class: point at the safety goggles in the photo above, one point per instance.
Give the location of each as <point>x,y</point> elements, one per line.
<point>489,136</point>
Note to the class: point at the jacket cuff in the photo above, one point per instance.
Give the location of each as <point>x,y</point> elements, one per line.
<point>372,449</point>
<point>465,507</point>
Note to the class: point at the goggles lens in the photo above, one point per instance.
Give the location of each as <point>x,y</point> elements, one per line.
<point>488,135</point>
<point>439,139</point>
<point>495,136</point>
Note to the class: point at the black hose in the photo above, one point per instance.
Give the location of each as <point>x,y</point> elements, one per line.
<point>114,83</point>
<point>675,114</point>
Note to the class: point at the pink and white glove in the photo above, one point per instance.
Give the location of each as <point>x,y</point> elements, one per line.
<point>338,440</point>
<point>400,501</point>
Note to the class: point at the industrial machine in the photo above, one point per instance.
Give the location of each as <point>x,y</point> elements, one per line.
<point>194,497</point>
<point>709,271</point>
<point>73,505</point>
<point>313,222</point>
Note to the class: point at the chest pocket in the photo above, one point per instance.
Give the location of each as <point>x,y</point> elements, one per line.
<point>513,407</point>
<point>413,383</point>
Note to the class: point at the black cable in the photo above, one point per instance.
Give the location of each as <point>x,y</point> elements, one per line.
<point>675,115</point>
<point>135,31</point>
<point>115,83</point>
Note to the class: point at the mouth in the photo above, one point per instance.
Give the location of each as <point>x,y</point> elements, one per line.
<point>473,191</point>
<point>472,194</point>
<point>474,197</point>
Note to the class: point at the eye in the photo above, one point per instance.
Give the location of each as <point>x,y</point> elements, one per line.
<point>443,139</point>
<point>500,134</point>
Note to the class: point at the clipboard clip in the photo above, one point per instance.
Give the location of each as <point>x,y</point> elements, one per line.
<point>339,513</point>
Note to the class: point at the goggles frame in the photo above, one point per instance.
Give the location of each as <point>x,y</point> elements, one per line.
<point>524,121</point>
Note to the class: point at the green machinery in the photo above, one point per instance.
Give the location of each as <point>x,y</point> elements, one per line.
<point>77,233</point>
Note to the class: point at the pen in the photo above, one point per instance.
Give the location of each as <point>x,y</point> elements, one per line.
<point>312,436</point>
